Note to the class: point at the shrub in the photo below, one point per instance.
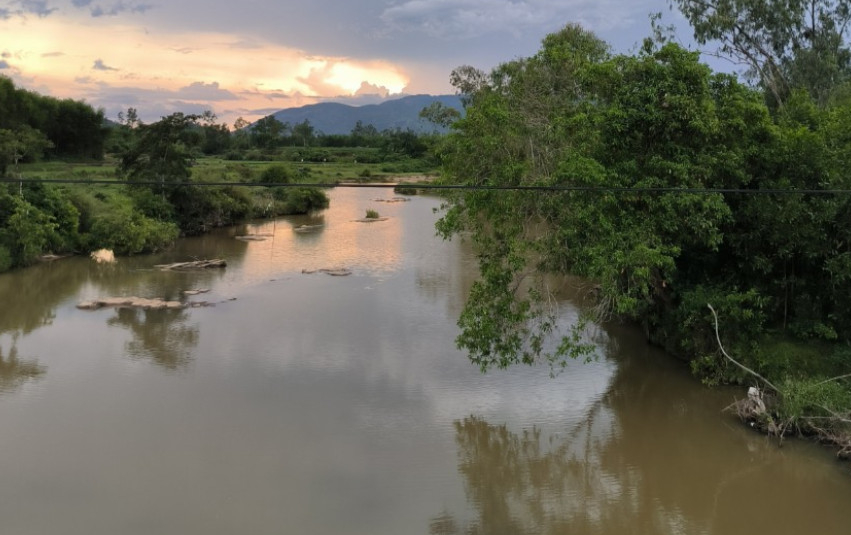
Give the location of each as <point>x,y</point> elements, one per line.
<point>301,200</point>
<point>275,174</point>
<point>127,232</point>
<point>372,214</point>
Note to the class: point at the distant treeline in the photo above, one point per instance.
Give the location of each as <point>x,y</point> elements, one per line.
<point>32,125</point>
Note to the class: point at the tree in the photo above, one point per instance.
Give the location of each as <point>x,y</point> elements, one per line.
<point>364,135</point>
<point>573,116</point>
<point>786,44</point>
<point>130,119</point>
<point>268,132</point>
<point>440,114</point>
<point>241,137</point>
<point>19,144</point>
<point>161,153</point>
<point>303,133</point>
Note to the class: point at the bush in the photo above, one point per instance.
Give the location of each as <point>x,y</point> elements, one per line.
<point>275,174</point>
<point>372,214</point>
<point>199,209</point>
<point>127,232</point>
<point>405,190</point>
<point>152,204</point>
<point>300,200</point>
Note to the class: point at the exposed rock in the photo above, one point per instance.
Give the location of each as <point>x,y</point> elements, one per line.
<point>196,292</point>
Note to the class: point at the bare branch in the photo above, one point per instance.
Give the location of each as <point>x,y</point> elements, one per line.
<point>734,361</point>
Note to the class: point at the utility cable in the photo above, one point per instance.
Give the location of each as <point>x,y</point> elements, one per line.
<point>430,186</point>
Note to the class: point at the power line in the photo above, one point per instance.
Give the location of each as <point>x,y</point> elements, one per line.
<point>428,186</point>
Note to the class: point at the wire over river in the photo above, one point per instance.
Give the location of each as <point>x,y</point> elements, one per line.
<point>431,186</point>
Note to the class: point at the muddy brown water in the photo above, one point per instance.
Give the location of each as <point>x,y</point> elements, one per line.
<point>339,405</point>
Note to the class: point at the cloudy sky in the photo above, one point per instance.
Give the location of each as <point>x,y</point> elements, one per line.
<point>249,58</point>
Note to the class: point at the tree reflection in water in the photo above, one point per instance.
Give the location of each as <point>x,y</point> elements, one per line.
<point>652,456</point>
<point>14,372</point>
<point>159,335</point>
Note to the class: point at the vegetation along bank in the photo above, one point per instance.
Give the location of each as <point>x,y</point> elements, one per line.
<point>670,187</point>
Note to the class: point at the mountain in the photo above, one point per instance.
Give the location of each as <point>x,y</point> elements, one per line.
<point>402,113</point>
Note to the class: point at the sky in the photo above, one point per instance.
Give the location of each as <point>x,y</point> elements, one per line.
<point>249,58</point>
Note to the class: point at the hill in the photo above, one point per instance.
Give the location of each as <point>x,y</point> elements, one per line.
<point>335,118</point>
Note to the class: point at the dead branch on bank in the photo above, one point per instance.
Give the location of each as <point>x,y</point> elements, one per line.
<point>753,409</point>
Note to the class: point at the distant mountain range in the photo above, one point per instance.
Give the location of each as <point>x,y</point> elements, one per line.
<point>402,113</point>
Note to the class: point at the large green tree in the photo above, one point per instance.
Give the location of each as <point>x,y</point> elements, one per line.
<point>786,44</point>
<point>162,152</point>
<point>640,143</point>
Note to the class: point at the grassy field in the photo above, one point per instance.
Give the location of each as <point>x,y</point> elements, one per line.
<point>339,166</point>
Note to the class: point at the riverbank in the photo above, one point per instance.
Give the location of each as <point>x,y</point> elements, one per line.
<point>80,213</point>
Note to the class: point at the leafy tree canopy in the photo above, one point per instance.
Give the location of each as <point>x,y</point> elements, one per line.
<point>641,133</point>
<point>787,44</point>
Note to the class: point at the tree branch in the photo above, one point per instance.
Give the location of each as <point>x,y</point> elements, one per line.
<point>734,361</point>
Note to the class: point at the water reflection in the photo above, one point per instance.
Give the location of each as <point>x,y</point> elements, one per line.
<point>159,335</point>
<point>15,371</point>
<point>640,462</point>
<point>338,239</point>
<point>30,295</point>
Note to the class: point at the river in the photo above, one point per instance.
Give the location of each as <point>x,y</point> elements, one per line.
<point>314,404</point>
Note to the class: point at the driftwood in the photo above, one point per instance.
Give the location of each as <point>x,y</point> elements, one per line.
<point>196,292</point>
<point>371,219</point>
<point>334,272</point>
<point>393,200</point>
<point>308,228</point>
<point>196,264</point>
<point>131,302</point>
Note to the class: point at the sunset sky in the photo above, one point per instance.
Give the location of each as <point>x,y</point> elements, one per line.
<point>249,58</point>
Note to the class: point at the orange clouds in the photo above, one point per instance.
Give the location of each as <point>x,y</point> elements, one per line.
<point>119,65</point>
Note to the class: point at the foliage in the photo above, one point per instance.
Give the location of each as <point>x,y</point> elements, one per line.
<point>268,132</point>
<point>127,232</point>
<point>301,200</point>
<point>787,44</point>
<point>33,221</point>
<point>275,174</point>
<point>161,152</point>
<point>73,129</point>
<point>440,114</point>
<point>372,214</point>
<point>21,144</point>
<point>198,209</point>
<point>636,139</point>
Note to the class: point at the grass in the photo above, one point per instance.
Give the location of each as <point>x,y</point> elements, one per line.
<point>372,214</point>
<point>327,165</point>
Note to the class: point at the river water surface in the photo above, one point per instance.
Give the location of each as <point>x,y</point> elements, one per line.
<point>312,404</point>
